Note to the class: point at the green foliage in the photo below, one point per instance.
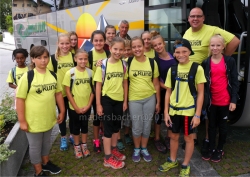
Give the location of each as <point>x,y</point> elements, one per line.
<point>9,23</point>
<point>6,109</point>
<point>5,153</point>
<point>1,37</point>
<point>5,9</point>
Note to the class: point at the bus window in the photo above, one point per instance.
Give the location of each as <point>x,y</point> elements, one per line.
<point>64,4</point>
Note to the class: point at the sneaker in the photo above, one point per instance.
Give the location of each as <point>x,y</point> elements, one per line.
<point>168,165</point>
<point>78,151</point>
<point>113,163</point>
<point>160,147</point>
<point>120,145</point>
<point>152,134</point>
<point>167,142</point>
<point>63,145</point>
<point>208,155</point>
<point>185,172</point>
<point>117,154</point>
<point>146,156</point>
<point>217,156</point>
<point>71,140</point>
<point>52,168</point>
<point>40,174</point>
<point>204,147</point>
<point>97,146</point>
<point>136,155</point>
<point>128,140</point>
<point>85,150</point>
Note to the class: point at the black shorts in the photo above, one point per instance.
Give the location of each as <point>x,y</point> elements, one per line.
<point>182,123</point>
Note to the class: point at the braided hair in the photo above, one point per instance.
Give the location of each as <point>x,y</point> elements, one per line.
<point>20,50</point>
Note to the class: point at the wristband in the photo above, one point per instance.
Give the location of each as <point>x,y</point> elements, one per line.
<point>197,116</point>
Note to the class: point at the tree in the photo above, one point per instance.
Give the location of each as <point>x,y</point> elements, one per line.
<point>5,9</point>
<point>9,23</point>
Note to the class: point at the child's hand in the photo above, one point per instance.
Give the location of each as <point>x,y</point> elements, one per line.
<point>98,63</point>
<point>167,119</point>
<point>99,110</point>
<point>24,126</point>
<point>195,122</point>
<point>232,106</point>
<point>78,110</point>
<point>85,109</point>
<point>60,118</point>
<point>125,106</point>
<point>157,108</point>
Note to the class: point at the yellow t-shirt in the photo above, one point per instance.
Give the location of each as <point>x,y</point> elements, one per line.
<point>65,63</point>
<point>19,74</point>
<point>150,54</point>
<point>184,99</point>
<point>200,40</point>
<point>113,84</point>
<point>40,102</point>
<point>140,78</point>
<point>81,89</point>
<point>73,51</point>
<point>97,56</point>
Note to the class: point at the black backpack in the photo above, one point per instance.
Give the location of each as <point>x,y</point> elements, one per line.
<point>90,53</point>
<point>54,61</point>
<point>30,77</point>
<point>191,85</point>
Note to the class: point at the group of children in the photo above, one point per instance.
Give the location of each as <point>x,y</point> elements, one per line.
<point>118,77</point>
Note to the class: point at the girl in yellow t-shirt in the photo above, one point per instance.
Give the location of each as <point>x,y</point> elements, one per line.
<point>62,62</point>
<point>78,86</point>
<point>98,39</point>
<point>39,90</point>
<point>144,97</point>
<point>111,101</point>
<point>148,50</point>
<point>73,41</point>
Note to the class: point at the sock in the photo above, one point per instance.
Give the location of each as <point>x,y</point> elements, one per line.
<point>112,147</point>
<point>108,156</point>
<point>184,166</point>
<point>143,148</point>
<point>77,144</point>
<point>207,140</point>
<point>127,135</point>
<point>84,144</point>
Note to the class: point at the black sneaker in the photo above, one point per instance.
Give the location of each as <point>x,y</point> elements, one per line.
<point>204,147</point>
<point>40,174</point>
<point>208,155</point>
<point>217,156</point>
<point>52,168</point>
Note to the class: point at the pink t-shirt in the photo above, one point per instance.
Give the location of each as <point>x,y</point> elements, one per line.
<point>219,82</point>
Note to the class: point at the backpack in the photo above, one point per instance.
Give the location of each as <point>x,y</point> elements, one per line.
<point>30,76</point>
<point>191,85</point>
<point>54,61</point>
<point>73,77</point>
<point>90,53</point>
<point>13,73</point>
<point>104,68</point>
<point>152,65</point>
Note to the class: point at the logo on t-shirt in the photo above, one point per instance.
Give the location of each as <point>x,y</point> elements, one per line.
<point>81,81</point>
<point>114,74</point>
<point>65,65</point>
<point>44,88</point>
<point>182,75</point>
<point>195,42</point>
<point>18,76</point>
<point>141,73</point>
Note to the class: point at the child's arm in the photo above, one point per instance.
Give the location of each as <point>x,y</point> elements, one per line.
<point>60,104</point>
<point>98,98</point>
<point>200,97</point>
<point>167,119</point>
<point>157,88</point>
<point>86,108</point>
<point>20,108</point>
<point>11,85</point>
<point>72,101</point>
<point>125,99</point>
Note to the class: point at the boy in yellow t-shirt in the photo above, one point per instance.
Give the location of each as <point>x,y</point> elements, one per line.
<point>182,111</point>
<point>39,90</point>
<point>78,86</point>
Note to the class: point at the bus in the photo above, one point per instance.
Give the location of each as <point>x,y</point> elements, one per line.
<point>38,22</point>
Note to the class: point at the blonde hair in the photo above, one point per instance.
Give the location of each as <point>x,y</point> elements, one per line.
<point>80,51</point>
<point>73,33</point>
<point>154,33</point>
<point>218,36</point>
<point>127,43</point>
<point>57,53</point>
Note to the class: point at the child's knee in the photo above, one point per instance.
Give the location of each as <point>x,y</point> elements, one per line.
<point>174,136</point>
<point>189,138</point>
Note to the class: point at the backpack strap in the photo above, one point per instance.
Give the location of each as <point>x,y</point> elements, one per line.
<point>30,76</point>
<point>124,65</point>
<point>173,75</point>
<point>89,71</point>
<point>13,72</point>
<point>107,53</point>
<point>129,62</point>
<point>90,53</point>
<point>73,55</point>
<point>54,62</point>
<point>53,74</point>
<point>104,69</point>
<point>191,80</point>
<point>152,65</point>
<point>72,78</point>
